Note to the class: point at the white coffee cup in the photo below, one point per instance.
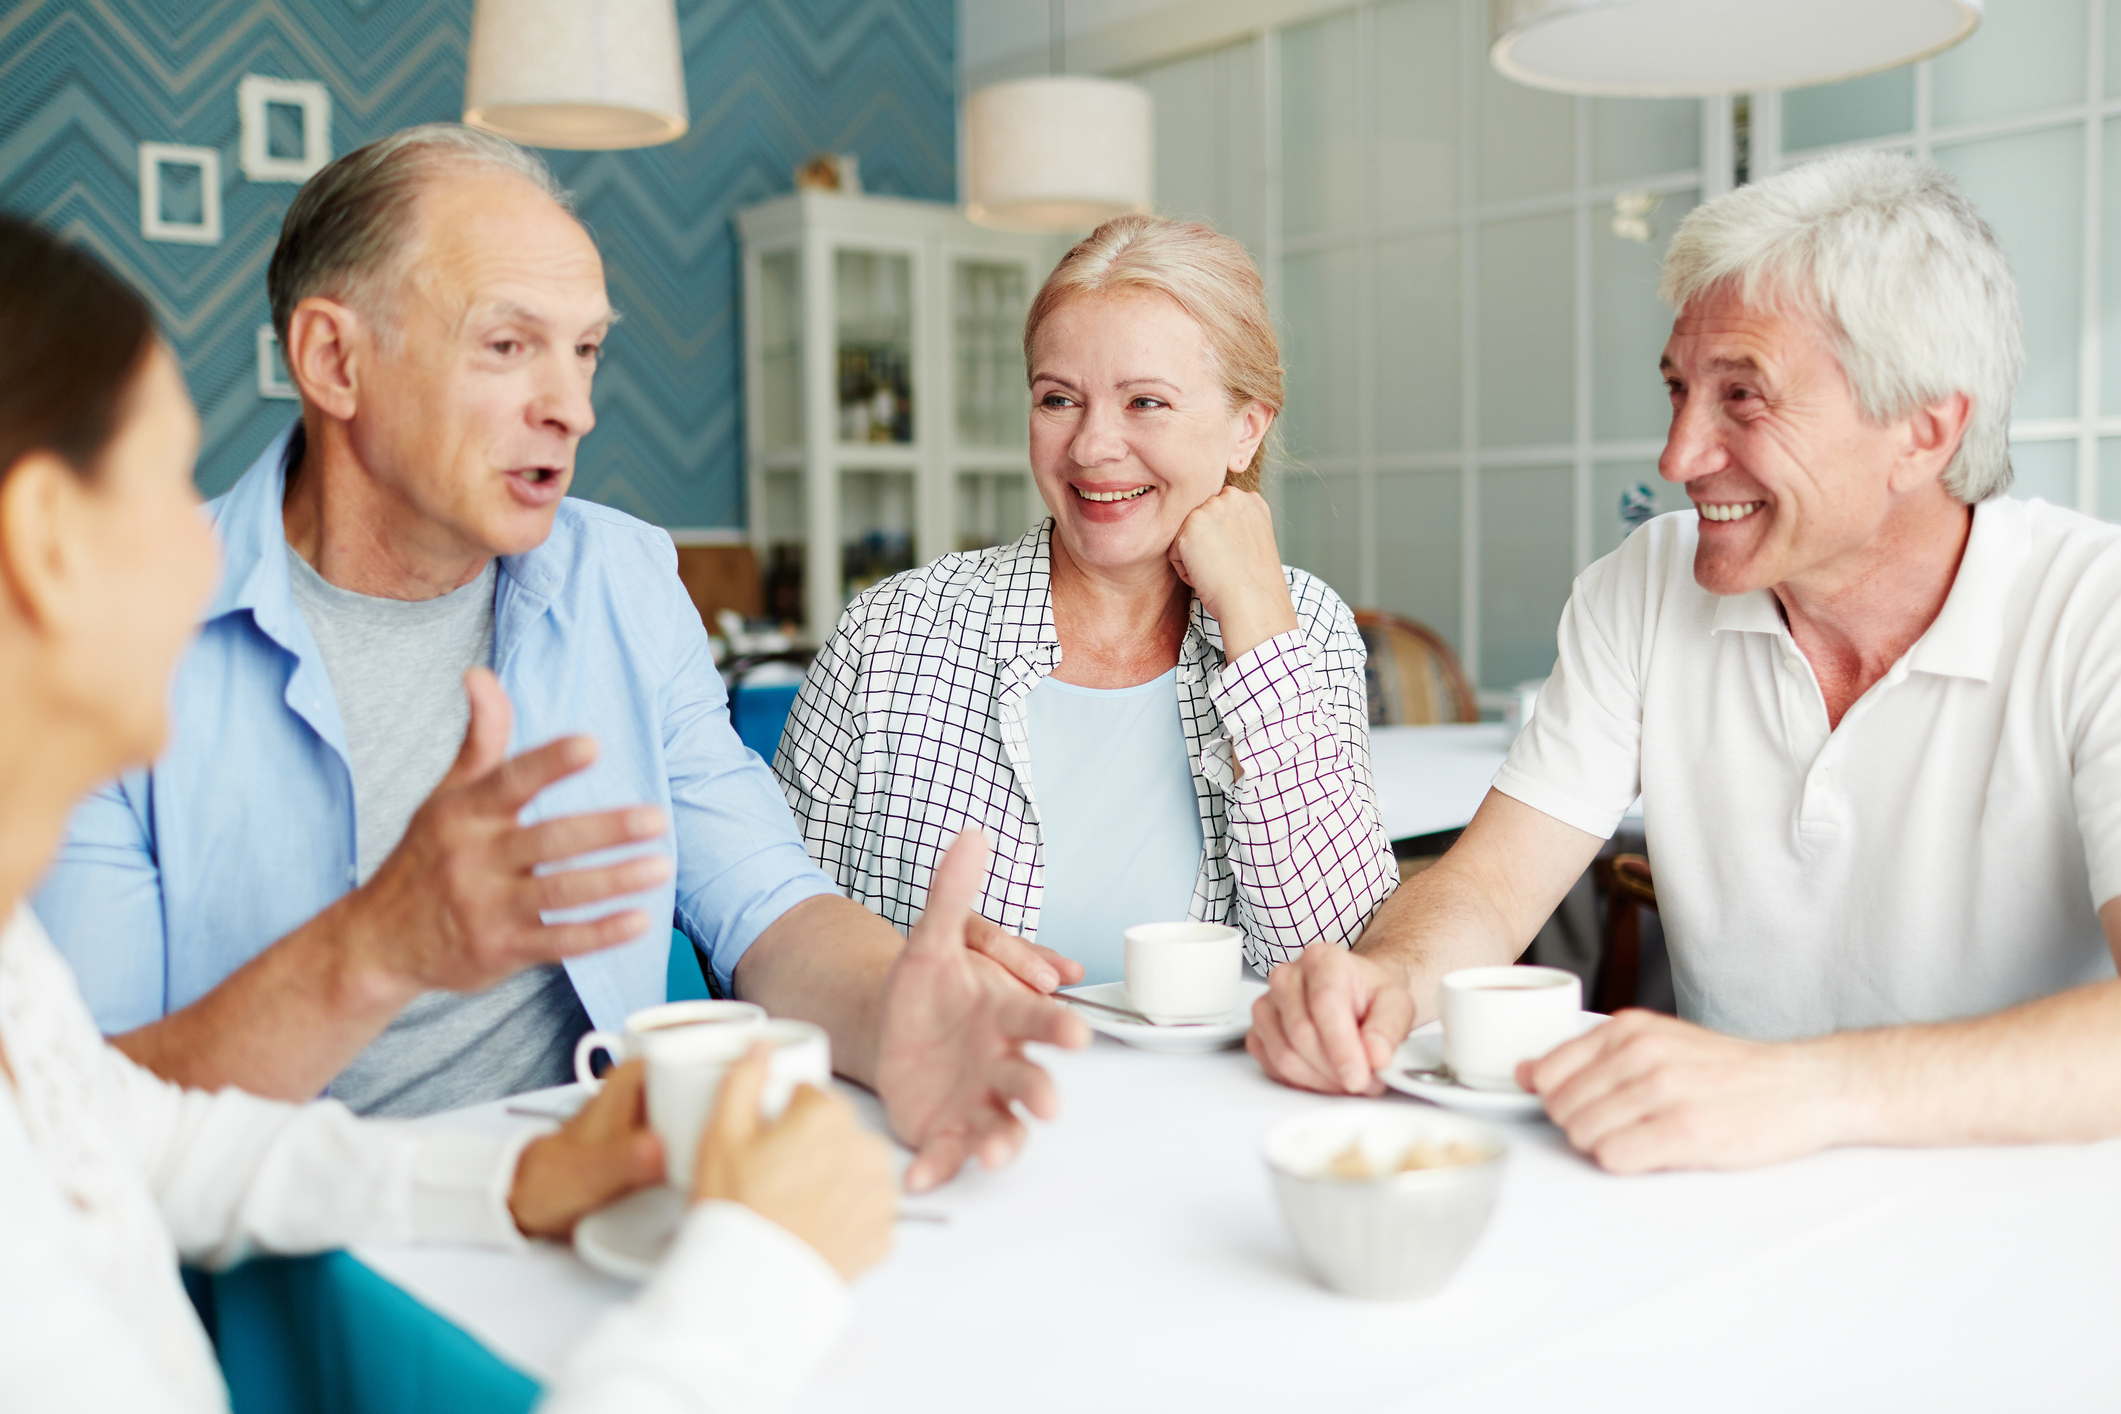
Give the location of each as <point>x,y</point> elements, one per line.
<point>1179,972</point>
<point>686,1067</point>
<point>1495,1017</point>
<point>745,1016</point>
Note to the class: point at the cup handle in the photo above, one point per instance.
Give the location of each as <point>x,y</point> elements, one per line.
<point>585,1050</point>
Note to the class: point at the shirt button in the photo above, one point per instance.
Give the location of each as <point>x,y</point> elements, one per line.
<point>1794,663</point>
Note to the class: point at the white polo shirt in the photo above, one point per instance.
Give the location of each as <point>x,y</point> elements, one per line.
<point>1941,853</point>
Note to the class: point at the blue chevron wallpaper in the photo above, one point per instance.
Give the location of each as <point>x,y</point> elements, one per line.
<point>771,82</point>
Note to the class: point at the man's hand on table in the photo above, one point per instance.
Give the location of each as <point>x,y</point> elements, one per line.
<point>1330,1020</point>
<point>457,905</point>
<point>950,1059</point>
<point>815,1170</point>
<point>603,1153</point>
<point>1646,1091</point>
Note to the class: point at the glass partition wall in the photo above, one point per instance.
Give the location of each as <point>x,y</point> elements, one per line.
<point>1464,271</point>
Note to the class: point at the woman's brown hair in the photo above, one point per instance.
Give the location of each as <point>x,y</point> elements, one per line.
<point>72,339</point>
<point>1209,276</point>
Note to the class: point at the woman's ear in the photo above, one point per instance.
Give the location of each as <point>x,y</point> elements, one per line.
<point>42,522</point>
<point>1252,425</point>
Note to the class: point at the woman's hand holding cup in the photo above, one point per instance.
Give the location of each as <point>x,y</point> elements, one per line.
<point>605,1152</point>
<point>1225,550</point>
<point>815,1170</point>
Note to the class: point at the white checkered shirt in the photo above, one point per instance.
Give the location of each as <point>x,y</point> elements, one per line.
<point>911,726</point>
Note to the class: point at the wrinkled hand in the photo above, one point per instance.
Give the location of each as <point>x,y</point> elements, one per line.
<point>1226,551</point>
<point>1040,969</point>
<point>605,1152</point>
<point>456,905</point>
<point>1646,1092</point>
<point>815,1170</point>
<point>950,1064</point>
<point>1330,1020</point>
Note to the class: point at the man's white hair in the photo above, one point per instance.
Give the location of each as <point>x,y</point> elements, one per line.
<point>1890,255</point>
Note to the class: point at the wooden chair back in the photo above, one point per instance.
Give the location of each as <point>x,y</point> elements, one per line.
<point>1625,881</point>
<point>1414,677</point>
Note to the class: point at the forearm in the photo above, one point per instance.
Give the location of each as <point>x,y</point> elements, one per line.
<point>1481,903</point>
<point>1438,921</point>
<point>2048,1071</point>
<point>283,1025</point>
<point>824,961</point>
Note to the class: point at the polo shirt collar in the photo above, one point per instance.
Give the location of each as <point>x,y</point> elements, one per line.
<point>1966,637</point>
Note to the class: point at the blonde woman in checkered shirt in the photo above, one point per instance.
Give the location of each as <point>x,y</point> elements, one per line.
<point>1148,713</point>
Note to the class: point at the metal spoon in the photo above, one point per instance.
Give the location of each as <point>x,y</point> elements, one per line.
<point>1133,1016</point>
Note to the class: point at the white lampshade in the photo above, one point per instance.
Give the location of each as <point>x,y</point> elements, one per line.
<point>1058,154</point>
<point>577,73</point>
<point>1693,48</point>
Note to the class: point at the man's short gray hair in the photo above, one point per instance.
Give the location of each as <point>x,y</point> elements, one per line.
<point>1891,256</point>
<point>346,231</point>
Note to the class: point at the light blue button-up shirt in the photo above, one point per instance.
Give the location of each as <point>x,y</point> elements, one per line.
<point>173,877</point>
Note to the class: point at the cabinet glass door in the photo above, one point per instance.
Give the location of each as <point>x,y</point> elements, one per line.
<point>988,301</point>
<point>874,291</point>
<point>876,527</point>
<point>780,351</point>
<point>994,507</point>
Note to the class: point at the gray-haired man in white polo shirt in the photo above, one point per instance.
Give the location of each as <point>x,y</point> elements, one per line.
<point>1873,709</point>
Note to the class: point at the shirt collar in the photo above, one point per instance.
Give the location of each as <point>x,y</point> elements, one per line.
<point>255,579</point>
<point>1966,637</point>
<point>1021,581</point>
<point>254,538</point>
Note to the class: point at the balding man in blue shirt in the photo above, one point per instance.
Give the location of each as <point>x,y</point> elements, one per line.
<point>338,876</point>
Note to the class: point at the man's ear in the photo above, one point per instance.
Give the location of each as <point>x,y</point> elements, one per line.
<point>326,346</point>
<point>40,548</point>
<point>1934,431</point>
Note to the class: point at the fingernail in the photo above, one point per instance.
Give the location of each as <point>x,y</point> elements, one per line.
<point>1048,980</point>
<point>645,822</point>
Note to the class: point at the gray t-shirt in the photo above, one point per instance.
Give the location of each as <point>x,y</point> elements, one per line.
<point>397,668</point>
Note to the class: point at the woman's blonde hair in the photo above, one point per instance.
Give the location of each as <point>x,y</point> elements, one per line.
<point>1209,276</point>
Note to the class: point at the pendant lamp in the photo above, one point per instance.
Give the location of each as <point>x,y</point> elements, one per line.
<point>1695,48</point>
<point>577,73</point>
<point>1060,153</point>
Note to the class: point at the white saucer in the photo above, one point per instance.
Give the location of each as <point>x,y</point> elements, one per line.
<point>630,1238</point>
<point>1423,1050</point>
<point>1171,1039</point>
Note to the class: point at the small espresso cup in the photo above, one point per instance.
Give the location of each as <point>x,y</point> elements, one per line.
<point>1180,972</point>
<point>1495,1017</point>
<point>686,1067</point>
<point>741,1016</point>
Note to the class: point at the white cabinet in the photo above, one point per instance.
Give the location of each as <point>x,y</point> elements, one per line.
<point>885,405</point>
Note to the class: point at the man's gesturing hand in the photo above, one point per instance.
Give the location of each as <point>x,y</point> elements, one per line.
<point>950,1064</point>
<point>457,904</point>
<point>1330,1021</point>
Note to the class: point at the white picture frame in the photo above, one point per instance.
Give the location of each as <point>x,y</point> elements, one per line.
<point>255,94</point>
<point>154,225</point>
<point>273,380</point>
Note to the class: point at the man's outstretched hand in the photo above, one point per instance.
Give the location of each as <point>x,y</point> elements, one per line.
<point>458,904</point>
<point>950,1061</point>
<point>1330,1020</point>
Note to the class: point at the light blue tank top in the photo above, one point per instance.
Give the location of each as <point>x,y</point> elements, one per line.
<point>1118,814</point>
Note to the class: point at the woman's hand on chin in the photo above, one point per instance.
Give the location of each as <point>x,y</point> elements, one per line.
<point>1226,551</point>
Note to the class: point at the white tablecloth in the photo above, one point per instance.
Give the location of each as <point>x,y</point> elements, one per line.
<point>1433,778</point>
<point>1132,1259</point>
